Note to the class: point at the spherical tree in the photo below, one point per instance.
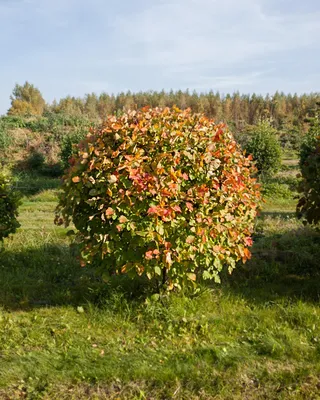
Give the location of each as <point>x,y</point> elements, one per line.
<point>165,193</point>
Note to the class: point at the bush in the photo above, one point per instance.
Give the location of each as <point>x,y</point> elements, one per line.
<point>5,139</point>
<point>276,190</point>
<point>309,143</point>
<point>69,146</point>
<point>164,193</point>
<point>52,170</point>
<point>290,138</point>
<point>308,206</point>
<point>38,124</point>
<point>9,202</point>
<point>12,122</point>
<point>265,149</point>
<point>36,160</point>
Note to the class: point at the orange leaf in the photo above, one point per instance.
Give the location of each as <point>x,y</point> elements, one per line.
<point>190,239</point>
<point>149,255</point>
<point>123,219</point>
<point>76,179</point>
<point>192,277</point>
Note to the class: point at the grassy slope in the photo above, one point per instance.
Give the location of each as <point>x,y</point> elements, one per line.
<point>66,335</point>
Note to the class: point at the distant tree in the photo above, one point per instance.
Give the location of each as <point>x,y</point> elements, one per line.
<point>70,106</point>
<point>91,106</point>
<point>286,111</point>
<point>26,100</point>
<point>265,148</point>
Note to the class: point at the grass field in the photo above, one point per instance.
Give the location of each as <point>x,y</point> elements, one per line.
<point>65,334</point>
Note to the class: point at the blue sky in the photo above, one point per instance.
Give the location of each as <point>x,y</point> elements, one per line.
<point>82,46</point>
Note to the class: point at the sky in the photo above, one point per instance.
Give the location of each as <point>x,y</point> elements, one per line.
<point>74,47</point>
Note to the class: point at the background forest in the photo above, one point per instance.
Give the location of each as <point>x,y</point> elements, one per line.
<point>39,134</point>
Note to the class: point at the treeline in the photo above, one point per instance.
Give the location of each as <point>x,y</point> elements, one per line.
<point>284,111</point>
<point>237,110</point>
<point>35,134</point>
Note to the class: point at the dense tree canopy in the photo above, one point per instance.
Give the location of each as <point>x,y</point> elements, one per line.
<point>286,111</point>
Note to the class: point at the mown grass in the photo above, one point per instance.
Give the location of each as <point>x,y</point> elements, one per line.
<point>66,334</point>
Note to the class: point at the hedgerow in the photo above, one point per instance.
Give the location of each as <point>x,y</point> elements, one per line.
<point>165,193</point>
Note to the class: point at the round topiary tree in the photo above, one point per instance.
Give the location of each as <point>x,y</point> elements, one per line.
<point>265,149</point>
<point>9,202</point>
<point>165,193</point>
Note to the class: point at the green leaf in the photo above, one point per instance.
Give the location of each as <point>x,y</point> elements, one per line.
<point>192,276</point>
<point>93,192</point>
<point>217,264</point>
<point>155,297</point>
<point>141,233</point>
<point>159,229</point>
<point>206,275</point>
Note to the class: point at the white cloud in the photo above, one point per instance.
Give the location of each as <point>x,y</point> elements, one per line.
<point>183,35</point>
<point>225,82</point>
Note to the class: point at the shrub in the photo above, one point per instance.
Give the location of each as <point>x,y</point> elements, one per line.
<point>69,146</point>
<point>265,149</point>
<point>5,139</point>
<point>276,190</point>
<point>39,124</point>
<point>290,138</point>
<point>12,122</point>
<point>309,143</point>
<point>9,202</point>
<point>36,160</point>
<point>164,193</point>
<point>52,170</point>
<point>308,206</point>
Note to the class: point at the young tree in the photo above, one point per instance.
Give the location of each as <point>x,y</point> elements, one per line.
<point>165,193</point>
<point>26,100</point>
<point>265,149</point>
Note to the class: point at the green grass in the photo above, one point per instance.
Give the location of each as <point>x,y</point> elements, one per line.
<point>65,334</point>
<point>31,183</point>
